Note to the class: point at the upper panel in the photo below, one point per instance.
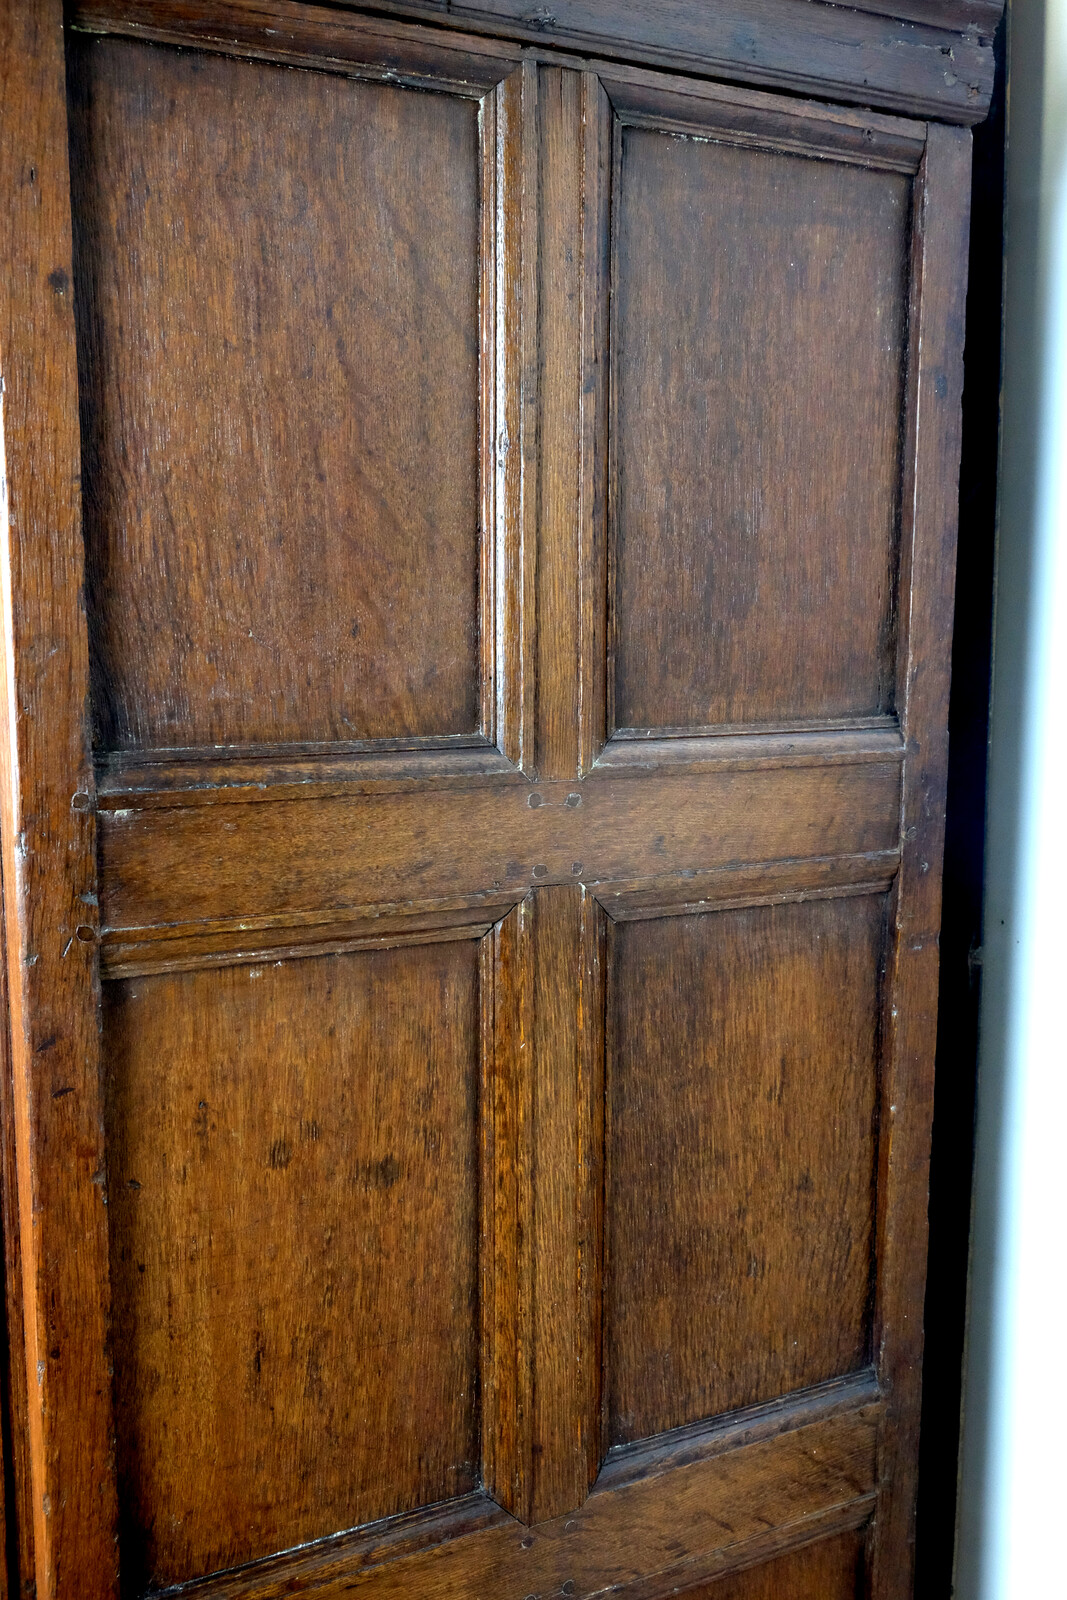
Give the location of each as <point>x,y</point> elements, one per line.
<point>277,293</point>
<point>759,352</point>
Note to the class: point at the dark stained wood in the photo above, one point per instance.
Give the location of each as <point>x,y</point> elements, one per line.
<point>875,54</point>
<point>18,1566</point>
<point>278,316</point>
<point>491,1085</point>
<point>741,1087</point>
<point>306,860</point>
<point>47,836</point>
<point>330,1378</point>
<point>758,359</point>
<point>829,1570</point>
<point>797,1483</point>
<point>543,1182</point>
<point>927,588</point>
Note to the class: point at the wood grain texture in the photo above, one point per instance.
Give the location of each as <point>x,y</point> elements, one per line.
<point>47,835</point>
<point>18,1565</point>
<point>741,1083</point>
<point>732,1509</point>
<point>279,378</point>
<point>757,369</point>
<point>829,1570</point>
<point>542,1184</point>
<point>931,506</point>
<point>932,59</point>
<point>292,1155</point>
<point>311,858</point>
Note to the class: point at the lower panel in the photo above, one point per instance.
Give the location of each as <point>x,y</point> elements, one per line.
<point>829,1570</point>
<point>293,1211</point>
<point>741,1089</point>
<point>698,1510</point>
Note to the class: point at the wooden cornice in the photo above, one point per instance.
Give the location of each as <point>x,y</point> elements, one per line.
<point>931,58</point>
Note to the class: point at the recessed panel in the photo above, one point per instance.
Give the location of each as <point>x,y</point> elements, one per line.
<point>740,1157</point>
<point>276,290</point>
<point>758,370</point>
<point>831,1570</point>
<point>293,1189</point>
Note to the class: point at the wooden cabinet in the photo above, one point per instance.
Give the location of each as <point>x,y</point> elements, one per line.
<point>481,498</point>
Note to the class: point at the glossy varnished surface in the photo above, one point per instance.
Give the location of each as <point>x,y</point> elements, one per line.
<point>278,297</point>
<point>292,1158</point>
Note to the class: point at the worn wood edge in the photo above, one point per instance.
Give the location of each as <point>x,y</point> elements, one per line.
<point>847,1517</point>
<point>343,1555</point>
<point>498,36</point>
<point>276,775</point>
<point>761,122</point>
<point>925,40</point>
<point>287,33</point>
<point>47,842</point>
<point>235,939</point>
<point>933,421</point>
<point>700,1441</point>
<point>700,752</point>
<point>843,1414</point>
<point>758,884</point>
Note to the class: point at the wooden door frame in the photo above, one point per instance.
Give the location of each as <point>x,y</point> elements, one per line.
<point>48,846</point>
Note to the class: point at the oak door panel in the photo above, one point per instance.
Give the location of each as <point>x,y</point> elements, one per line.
<point>277,282</point>
<point>831,1570</point>
<point>519,1119</point>
<point>742,1085</point>
<point>758,360</point>
<point>292,1154</point>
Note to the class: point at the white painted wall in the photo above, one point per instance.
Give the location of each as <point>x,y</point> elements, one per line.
<point>1014,1467</point>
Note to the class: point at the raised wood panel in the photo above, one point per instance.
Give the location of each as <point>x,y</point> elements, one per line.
<point>277,288</point>
<point>293,1180</point>
<point>830,1570</point>
<point>758,361</point>
<point>742,1085</point>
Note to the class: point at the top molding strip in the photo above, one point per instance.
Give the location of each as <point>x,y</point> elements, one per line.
<point>931,58</point>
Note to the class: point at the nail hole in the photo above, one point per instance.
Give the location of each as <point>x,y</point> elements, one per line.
<point>573,800</point>
<point>540,871</point>
<point>576,867</point>
<point>534,801</point>
<point>80,802</point>
<point>84,934</point>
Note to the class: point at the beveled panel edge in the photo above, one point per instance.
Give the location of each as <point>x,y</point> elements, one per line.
<point>161,950</point>
<point>720,114</point>
<point>938,63</point>
<point>293,34</point>
<point>342,1556</point>
<point>800,1474</point>
<point>940,67</point>
<point>699,1441</point>
<point>184,778</point>
<point>868,739</point>
<point>756,884</point>
<point>147,779</point>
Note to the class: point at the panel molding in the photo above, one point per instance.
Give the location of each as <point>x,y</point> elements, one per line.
<point>932,57</point>
<point>725,1511</point>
